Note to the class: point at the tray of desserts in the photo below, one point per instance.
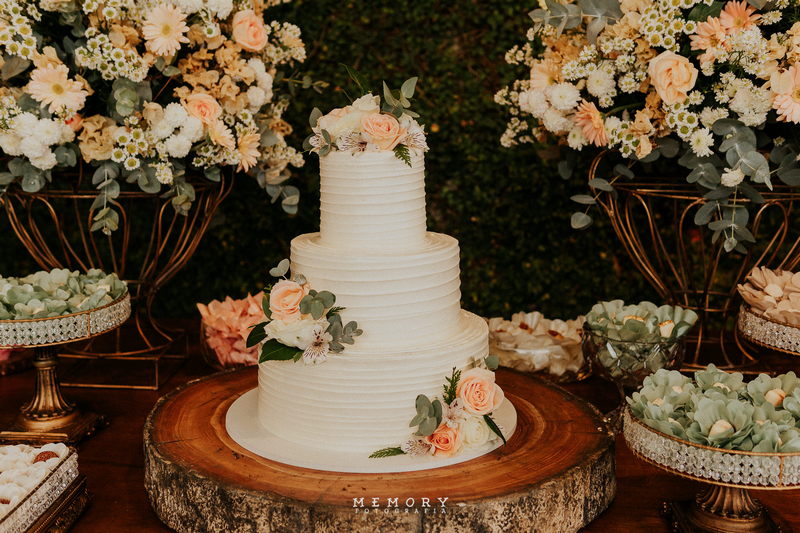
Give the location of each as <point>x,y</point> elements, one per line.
<point>39,488</point>
<point>770,314</point>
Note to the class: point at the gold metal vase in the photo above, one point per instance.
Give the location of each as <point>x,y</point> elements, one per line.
<point>654,221</point>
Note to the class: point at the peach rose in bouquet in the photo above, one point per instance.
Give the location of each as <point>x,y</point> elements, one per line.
<point>673,76</point>
<point>249,31</point>
<point>478,392</point>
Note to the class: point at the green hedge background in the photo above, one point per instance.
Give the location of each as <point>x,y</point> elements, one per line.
<point>508,208</point>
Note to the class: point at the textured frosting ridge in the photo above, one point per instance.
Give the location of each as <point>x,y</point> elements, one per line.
<point>398,299</point>
<point>362,401</point>
<point>372,200</point>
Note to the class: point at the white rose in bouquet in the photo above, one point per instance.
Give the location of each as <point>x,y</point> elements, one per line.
<point>476,432</point>
<point>300,333</point>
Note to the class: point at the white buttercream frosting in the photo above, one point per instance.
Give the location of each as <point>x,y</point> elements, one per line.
<point>361,400</point>
<point>398,299</point>
<point>372,200</point>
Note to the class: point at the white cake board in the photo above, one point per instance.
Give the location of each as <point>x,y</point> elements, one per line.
<point>243,427</point>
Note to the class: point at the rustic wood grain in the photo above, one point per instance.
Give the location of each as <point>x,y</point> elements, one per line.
<point>555,474</point>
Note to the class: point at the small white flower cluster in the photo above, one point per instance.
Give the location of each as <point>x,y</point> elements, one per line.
<point>32,137</point>
<point>552,106</point>
<point>663,24</point>
<point>748,49</point>
<point>23,468</point>
<point>260,93</point>
<point>112,62</point>
<point>750,102</point>
<point>16,31</point>
<point>284,43</point>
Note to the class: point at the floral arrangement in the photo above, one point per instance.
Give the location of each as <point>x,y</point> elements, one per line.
<point>643,322</point>
<point>24,468</point>
<point>150,93</point>
<point>774,293</point>
<point>226,326</point>
<point>58,292</point>
<point>301,322</point>
<point>461,418</point>
<point>712,83</point>
<point>719,409</point>
<point>366,125</point>
<point>529,342</point>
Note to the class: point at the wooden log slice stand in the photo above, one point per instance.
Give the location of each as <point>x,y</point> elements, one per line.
<point>555,474</point>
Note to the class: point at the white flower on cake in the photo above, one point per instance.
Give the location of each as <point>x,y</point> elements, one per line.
<point>301,322</point>
<point>367,126</point>
<point>461,418</point>
<point>476,432</point>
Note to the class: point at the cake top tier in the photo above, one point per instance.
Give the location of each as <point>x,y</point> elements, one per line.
<point>371,125</point>
<point>371,172</point>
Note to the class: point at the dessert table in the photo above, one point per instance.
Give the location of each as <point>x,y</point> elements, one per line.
<point>113,461</point>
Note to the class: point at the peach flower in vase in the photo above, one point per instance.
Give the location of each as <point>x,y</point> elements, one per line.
<point>446,440</point>
<point>226,326</point>
<point>786,89</point>
<point>249,31</point>
<point>738,16</point>
<point>673,76</point>
<point>478,392</point>
<point>204,107</point>
<point>164,30</point>
<point>589,119</point>
<point>382,130</point>
<point>51,86</point>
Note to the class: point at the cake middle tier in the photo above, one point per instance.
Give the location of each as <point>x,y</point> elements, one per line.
<point>399,298</point>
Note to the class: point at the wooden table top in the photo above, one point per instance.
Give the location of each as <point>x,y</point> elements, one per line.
<point>113,462</point>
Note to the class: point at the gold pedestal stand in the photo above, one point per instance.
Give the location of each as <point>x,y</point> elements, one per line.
<point>720,509</point>
<point>724,505</point>
<point>48,417</point>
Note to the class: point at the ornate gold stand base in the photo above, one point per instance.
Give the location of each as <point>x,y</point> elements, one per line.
<point>48,417</point>
<point>720,510</point>
<point>70,429</point>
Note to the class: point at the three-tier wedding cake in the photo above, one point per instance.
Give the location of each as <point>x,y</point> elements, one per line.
<point>401,284</point>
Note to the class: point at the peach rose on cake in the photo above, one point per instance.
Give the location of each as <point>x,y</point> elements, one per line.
<point>446,441</point>
<point>346,119</point>
<point>284,300</point>
<point>249,31</point>
<point>673,76</point>
<point>203,107</point>
<point>382,130</point>
<point>478,392</point>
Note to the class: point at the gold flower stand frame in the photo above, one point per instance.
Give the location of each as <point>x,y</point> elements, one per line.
<point>725,505</point>
<point>48,416</point>
<point>153,243</point>
<point>654,221</point>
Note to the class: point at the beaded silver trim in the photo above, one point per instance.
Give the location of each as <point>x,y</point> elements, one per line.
<point>714,466</point>
<point>42,497</point>
<point>67,328</point>
<point>767,332</point>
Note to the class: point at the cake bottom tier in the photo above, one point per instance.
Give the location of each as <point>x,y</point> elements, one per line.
<point>358,401</point>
